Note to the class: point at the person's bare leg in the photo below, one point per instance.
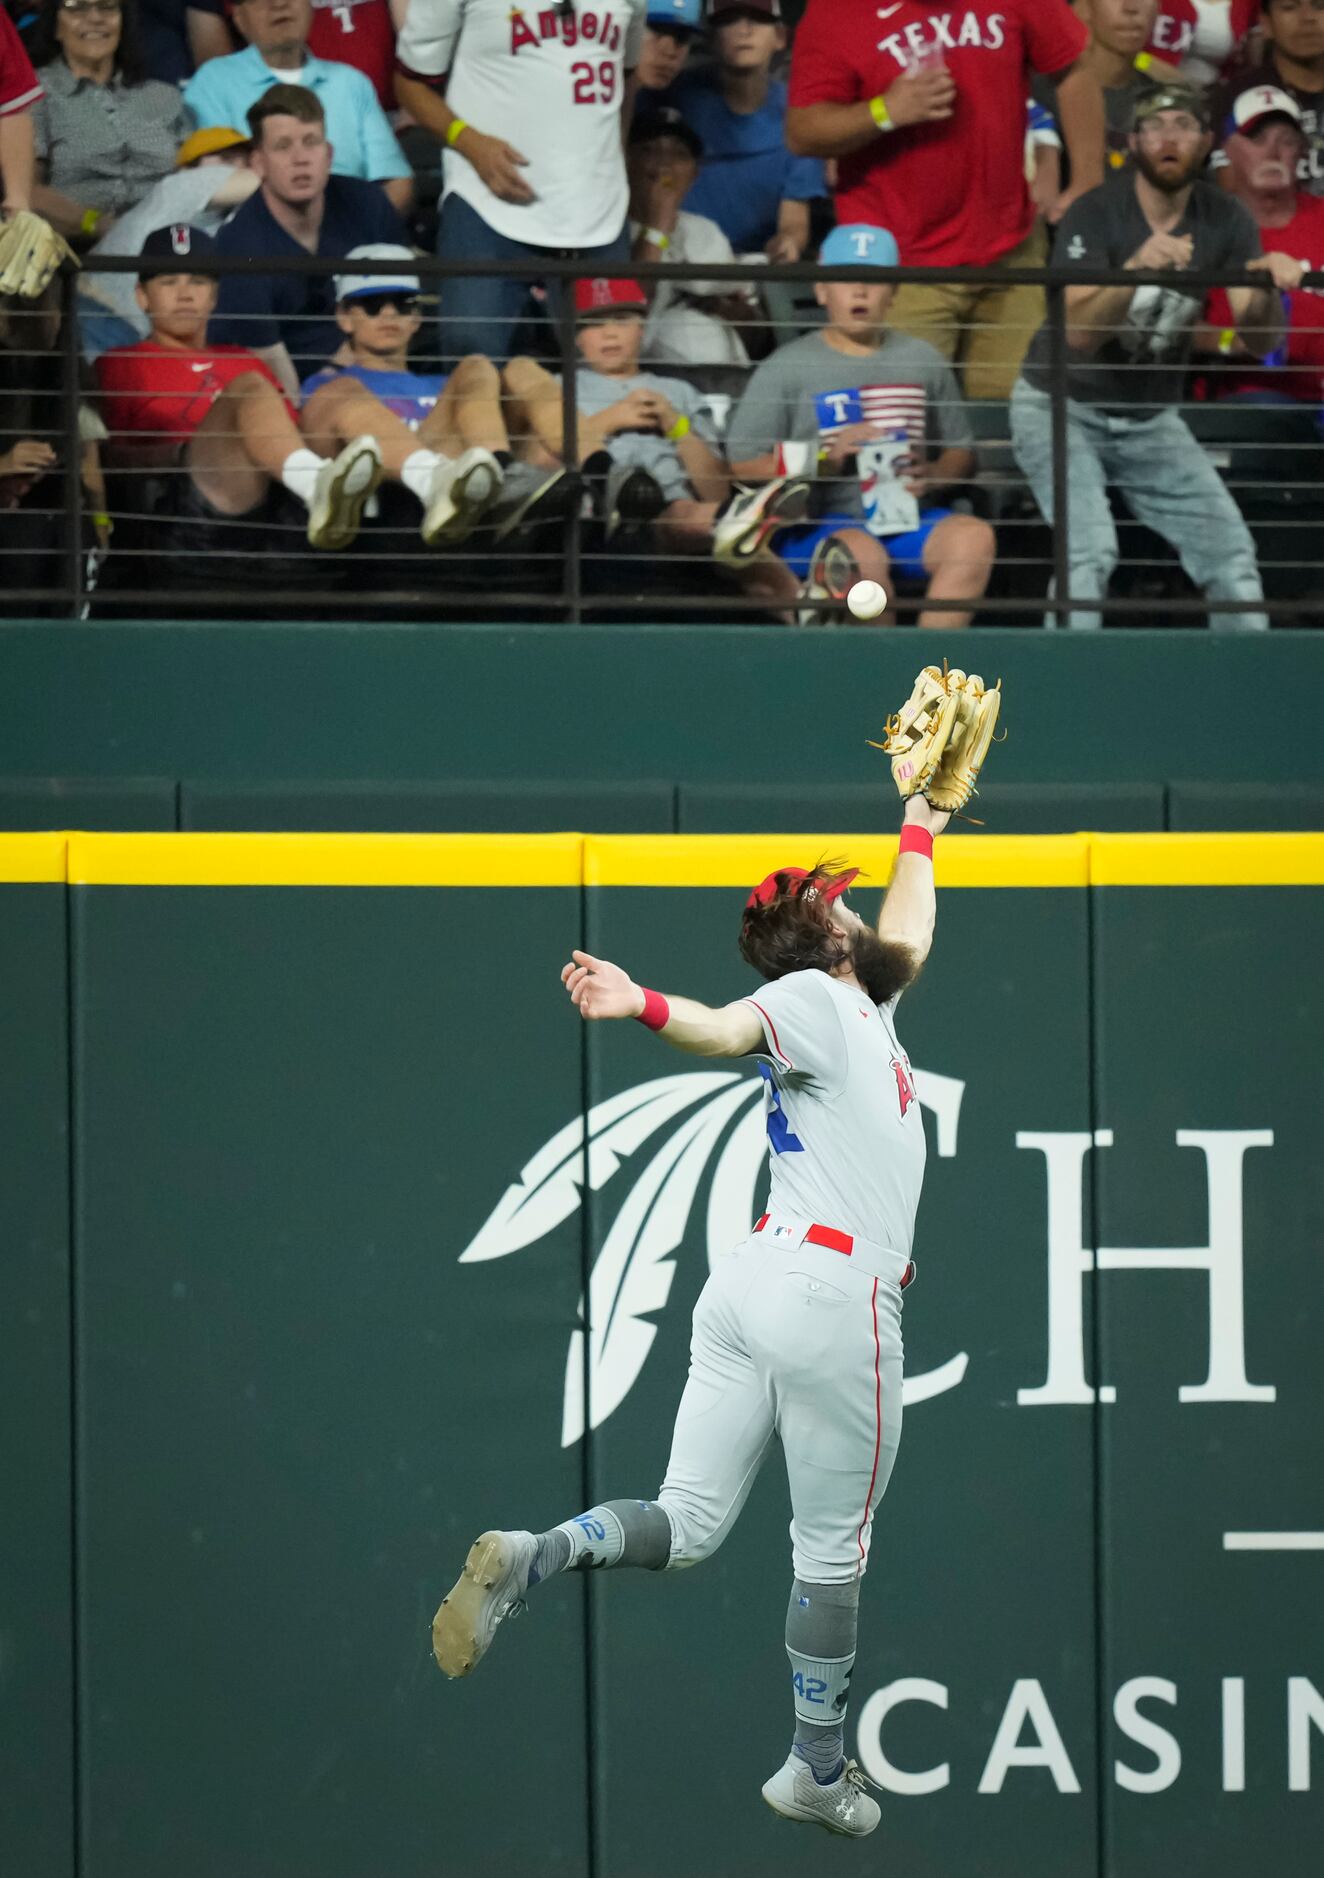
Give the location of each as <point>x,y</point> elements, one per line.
<point>533,399</point>
<point>959,556</point>
<point>467,415</point>
<point>243,444</point>
<point>343,408</point>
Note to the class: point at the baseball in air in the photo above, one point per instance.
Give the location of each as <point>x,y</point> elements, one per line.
<point>867,599</point>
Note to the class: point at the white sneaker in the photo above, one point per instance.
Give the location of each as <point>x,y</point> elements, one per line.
<point>753,515</point>
<point>843,1806</point>
<point>342,488</point>
<point>833,571</point>
<point>489,1589</point>
<point>458,493</point>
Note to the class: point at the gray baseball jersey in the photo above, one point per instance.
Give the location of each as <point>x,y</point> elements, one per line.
<point>845,1135</point>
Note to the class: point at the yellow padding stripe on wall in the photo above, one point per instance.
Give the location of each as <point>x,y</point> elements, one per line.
<point>198,860</point>
<point>725,861</point>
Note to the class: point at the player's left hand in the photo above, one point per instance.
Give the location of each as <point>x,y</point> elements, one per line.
<point>600,989</point>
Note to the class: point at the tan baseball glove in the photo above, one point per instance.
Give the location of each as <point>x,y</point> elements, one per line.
<point>30,253</point>
<point>940,737</point>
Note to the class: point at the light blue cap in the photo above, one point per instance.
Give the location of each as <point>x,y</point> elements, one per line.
<point>858,244</point>
<point>687,13</point>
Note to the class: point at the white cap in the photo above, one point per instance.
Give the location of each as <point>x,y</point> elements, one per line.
<point>1263,101</point>
<point>384,277</point>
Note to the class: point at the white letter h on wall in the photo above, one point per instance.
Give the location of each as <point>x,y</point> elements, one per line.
<point>1068,1261</point>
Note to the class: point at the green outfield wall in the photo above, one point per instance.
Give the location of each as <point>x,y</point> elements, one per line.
<point>329,1236</point>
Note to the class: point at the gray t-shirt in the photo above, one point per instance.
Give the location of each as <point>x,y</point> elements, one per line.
<point>807,391</point>
<point>1143,365</point>
<point>644,449</point>
<point>846,1140</point>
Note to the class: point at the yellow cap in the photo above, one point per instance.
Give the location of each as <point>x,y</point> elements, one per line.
<point>207,142</point>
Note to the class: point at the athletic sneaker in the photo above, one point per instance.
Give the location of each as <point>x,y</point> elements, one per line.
<point>342,488</point>
<point>631,500</point>
<point>530,496</point>
<point>753,516</point>
<point>833,571</point>
<point>841,1806</point>
<point>458,493</point>
<point>489,1589</point>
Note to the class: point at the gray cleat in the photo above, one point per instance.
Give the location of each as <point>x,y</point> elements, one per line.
<point>489,1589</point>
<point>841,1806</point>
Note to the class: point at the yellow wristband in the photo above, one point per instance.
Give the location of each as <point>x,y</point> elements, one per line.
<point>880,114</point>
<point>656,239</point>
<point>1142,61</point>
<point>1227,339</point>
<point>453,129</point>
<point>90,222</point>
<point>681,428</point>
<point>99,519</point>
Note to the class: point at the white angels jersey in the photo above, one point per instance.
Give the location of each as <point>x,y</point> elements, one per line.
<point>846,1142</point>
<point>548,79</point>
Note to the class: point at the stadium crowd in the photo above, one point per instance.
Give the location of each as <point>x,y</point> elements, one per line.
<point>754,436</point>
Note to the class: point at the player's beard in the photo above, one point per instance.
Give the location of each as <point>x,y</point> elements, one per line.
<point>881,966</point>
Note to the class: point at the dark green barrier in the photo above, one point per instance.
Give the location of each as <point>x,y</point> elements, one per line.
<point>36,1483</point>
<point>332,1243</point>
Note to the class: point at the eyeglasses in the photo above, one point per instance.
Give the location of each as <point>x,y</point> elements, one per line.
<point>375,303</point>
<point>89,6</point>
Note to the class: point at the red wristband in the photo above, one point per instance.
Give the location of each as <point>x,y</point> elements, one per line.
<point>656,1011</point>
<point>916,840</point>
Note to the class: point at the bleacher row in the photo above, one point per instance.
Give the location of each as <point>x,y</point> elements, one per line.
<point>554,804</point>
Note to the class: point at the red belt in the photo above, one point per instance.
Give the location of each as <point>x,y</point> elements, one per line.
<point>835,1241</point>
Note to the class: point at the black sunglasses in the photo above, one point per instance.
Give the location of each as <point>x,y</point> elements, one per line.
<point>374,303</point>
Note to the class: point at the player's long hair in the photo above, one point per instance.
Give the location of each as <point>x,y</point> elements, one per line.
<point>794,932</point>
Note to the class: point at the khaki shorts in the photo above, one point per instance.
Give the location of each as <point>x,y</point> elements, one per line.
<point>985,330</point>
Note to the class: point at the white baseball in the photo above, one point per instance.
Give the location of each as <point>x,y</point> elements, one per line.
<point>867,599</point>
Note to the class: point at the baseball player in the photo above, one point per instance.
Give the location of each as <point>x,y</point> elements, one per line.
<point>797,1333</point>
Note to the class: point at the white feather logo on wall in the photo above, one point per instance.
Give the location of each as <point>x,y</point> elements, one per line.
<point>632,1273</point>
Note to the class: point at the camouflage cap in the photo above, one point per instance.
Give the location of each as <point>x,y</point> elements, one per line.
<point>1172,95</point>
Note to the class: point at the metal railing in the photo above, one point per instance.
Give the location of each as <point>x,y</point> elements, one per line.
<point>553,582</point>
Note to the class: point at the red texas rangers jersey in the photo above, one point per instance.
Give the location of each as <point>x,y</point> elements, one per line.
<point>845,1136</point>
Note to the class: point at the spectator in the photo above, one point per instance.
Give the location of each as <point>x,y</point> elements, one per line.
<point>1120,30</point>
<point>346,32</point>
<point>104,133</point>
<point>662,450</point>
<point>214,418</point>
<point>1264,145</point>
<point>1293,62</point>
<point>881,416</point>
<point>697,322</point>
<point>301,208</point>
<point>671,30</point>
<point>20,92</point>
<point>362,141</point>
<point>1128,350</point>
<point>469,70</point>
<point>212,177</point>
<point>1199,37</point>
<point>444,438</point>
<point>927,121</point>
<point>749,182</point>
<point>178,35</point>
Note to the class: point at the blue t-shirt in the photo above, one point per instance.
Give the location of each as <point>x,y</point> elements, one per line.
<point>746,171</point>
<point>411,395</point>
<point>260,310</point>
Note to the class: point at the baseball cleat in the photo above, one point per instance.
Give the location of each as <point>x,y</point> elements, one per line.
<point>489,1589</point>
<point>342,488</point>
<point>841,1806</point>
<point>753,516</point>
<point>833,571</point>
<point>458,493</point>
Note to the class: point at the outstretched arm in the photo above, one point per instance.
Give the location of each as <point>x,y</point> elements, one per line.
<point>910,908</point>
<point>600,989</point>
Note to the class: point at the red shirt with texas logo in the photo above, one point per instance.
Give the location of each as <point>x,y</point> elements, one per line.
<point>1210,30</point>
<point>952,192</point>
<point>1301,375</point>
<point>155,390</point>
